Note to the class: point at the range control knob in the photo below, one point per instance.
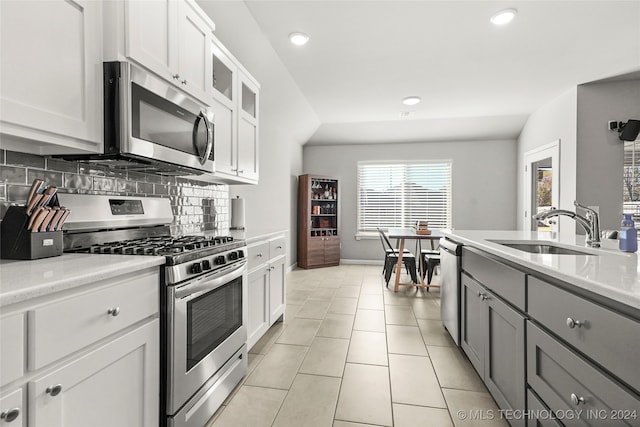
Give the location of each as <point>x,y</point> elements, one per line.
<point>206,265</point>
<point>220,260</point>
<point>240,254</point>
<point>233,256</point>
<point>195,268</point>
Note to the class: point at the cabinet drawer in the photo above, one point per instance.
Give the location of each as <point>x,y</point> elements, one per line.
<point>258,253</point>
<point>276,247</point>
<point>539,415</point>
<point>11,348</point>
<point>505,281</point>
<point>567,382</point>
<point>60,328</point>
<point>604,335</point>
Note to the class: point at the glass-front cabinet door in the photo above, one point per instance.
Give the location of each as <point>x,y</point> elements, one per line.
<point>248,128</point>
<point>223,82</point>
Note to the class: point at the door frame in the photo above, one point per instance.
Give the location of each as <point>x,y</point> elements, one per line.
<point>551,150</point>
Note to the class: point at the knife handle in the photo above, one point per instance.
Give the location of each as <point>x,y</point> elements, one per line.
<point>35,188</point>
<point>56,217</point>
<point>33,201</point>
<point>62,219</point>
<point>37,219</point>
<point>47,219</point>
<point>47,195</point>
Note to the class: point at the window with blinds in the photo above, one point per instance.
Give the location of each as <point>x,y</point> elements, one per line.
<point>631,178</point>
<point>397,194</point>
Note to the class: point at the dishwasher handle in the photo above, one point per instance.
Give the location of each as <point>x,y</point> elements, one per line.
<point>451,247</point>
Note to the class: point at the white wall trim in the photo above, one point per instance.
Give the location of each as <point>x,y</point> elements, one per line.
<point>360,261</point>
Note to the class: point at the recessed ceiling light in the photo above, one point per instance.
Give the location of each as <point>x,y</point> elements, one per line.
<point>503,17</point>
<point>411,100</point>
<point>298,39</point>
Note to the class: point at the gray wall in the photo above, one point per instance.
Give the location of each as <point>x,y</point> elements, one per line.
<point>286,122</point>
<point>555,120</point>
<point>483,183</point>
<point>600,151</point>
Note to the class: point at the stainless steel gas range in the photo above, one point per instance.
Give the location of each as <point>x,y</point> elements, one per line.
<point>203,297</point>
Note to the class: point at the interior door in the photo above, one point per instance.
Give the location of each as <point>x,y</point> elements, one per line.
<point>542,185</point>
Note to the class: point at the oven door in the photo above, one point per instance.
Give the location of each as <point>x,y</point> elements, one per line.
<point>206,326</point>
<point>160,123</point>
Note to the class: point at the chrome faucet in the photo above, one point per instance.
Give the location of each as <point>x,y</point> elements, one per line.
<point>590,221</point>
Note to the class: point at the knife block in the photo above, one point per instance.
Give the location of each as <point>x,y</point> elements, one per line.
<point>19,243</point>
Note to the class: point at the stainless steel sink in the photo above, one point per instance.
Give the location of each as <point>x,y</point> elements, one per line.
<point>542,248</point>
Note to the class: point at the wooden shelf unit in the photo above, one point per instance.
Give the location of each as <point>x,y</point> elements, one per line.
<point>318,221</point>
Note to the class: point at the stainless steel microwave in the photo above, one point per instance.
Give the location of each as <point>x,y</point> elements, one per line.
<point>151,125</point>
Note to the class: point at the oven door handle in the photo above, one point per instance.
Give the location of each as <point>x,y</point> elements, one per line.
<point>208,283</point>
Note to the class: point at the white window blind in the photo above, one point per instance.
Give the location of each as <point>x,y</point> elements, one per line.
<point>397,194</point>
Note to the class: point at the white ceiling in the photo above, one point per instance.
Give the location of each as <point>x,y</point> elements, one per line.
<point>477,81</point>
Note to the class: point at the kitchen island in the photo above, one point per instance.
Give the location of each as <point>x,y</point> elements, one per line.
<point>554,330</point>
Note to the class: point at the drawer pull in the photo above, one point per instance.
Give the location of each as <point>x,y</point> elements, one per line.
<point>482,296</point>
<point>259,255</point>
<point>114,311</point>
<point>278,247</point>
<point>577,400</point>
<point>10,415</point>
<point>571,323</point>
<point>54,390</point>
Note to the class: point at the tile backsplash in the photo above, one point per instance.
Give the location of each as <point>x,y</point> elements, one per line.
<point>197,206</point>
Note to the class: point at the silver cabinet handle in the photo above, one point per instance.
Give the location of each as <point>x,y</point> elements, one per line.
<point>240,171</point>
<point>184,82</point>
<point>176,76</point>
<point>54,390</point>
<point>10,415</point>
<point>278,247</point>
<point>259,255</point>
<point>572,323</point>
<point>482,296</point>
<point>577,400</point>
<point>272,268</point>
<point>114,311</point>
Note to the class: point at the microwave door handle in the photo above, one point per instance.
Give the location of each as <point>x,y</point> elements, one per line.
<point>209,146</point>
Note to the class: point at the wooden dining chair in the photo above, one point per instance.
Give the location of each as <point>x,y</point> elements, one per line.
<point>391,259</point>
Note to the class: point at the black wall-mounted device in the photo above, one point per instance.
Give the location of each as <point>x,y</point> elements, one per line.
<point>629,131</point>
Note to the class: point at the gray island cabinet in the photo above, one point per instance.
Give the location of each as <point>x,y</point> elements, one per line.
<point>551,353</point>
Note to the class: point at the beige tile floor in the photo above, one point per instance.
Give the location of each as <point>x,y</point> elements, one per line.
<point>352,353</point>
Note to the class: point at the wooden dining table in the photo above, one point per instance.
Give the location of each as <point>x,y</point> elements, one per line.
<point>401,234</point>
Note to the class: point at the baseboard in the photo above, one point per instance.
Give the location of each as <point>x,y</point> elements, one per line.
<point>360,261</point>
<point>292,267</point>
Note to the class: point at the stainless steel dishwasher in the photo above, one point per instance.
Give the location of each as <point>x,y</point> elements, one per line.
<point>450,259</point>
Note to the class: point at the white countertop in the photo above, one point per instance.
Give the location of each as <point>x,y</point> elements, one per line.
<point>255,235</point>
<point>612,273</point>
<point>24,280</point>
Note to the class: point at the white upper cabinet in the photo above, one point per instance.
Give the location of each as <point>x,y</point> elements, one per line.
<point>224,99</point>
<point>234,98</point>
<point>248,128</point>
<point>172,39</point>
<point>51,78</point>
<point>152,34</point>
<point>194,50</point>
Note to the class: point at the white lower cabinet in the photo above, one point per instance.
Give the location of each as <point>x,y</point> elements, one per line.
<point>267,286</point>
<point>258,321</point>
<point>92,356</point>
<point>12,409</point>
<point>114,385</point>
